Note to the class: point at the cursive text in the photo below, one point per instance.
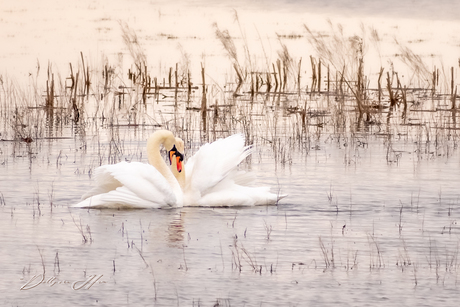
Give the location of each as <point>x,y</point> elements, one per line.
<point>84,284</point>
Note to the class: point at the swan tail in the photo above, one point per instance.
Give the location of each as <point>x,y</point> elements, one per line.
<point>233,195</point>
<point>104,182</point>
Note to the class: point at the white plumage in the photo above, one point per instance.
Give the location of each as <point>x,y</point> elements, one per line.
<point>131,185</point>
<point>209,179</point>
<point>212,178</point>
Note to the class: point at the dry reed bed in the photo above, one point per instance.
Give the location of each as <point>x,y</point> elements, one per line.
<point>332,92</point>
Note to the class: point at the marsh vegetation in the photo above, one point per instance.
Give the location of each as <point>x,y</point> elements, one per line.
<point>364,144</point>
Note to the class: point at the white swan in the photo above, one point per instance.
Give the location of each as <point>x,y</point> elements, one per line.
<point>209,179</point>
<point>138,185</point>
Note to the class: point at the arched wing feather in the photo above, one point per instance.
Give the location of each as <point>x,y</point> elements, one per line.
<point>213,162</point>
<point>132,184</point>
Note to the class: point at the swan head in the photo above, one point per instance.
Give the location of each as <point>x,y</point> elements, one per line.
<point>167,139</point>
<point>177,156</point>
<point>177,165</point>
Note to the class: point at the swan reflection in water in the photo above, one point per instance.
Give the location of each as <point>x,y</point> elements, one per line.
<point>176,230</point>
<point>209,178</point>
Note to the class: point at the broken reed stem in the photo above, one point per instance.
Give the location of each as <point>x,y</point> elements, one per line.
<point>319,76</point>
<point>87,81</point>
<point>313,77</point>
<point>83,65</point>
<point>454,96</point>
<point>327,262</point>
<point>252,84</point>
<point>379,84</point>
<point>269,79</point>
<point>360,87</point>
<point>453,89</point>
<point>80,228</point>
<point>106,77</point>
<point>56,263</point>
<point>203,99</point>
<point>50,93</point>
<point>341,81</point>
<point>240,79</point>
<point>72,79</point>
<point>298,75</point>
<point>85,75</point>
<point>43,261</point>
<point>404,97</point>
<point>400,218</point>
<point>435,80</point>
<point>140,254</point>
<point>280,77</point>
<point>358,96</point>
<point>145,83</point>
<point>284,77</point>
<point>276,79</point>
<point>189,85</point>
<point>76,113</point>
<point>154,282</point>
<point>50,88</point>
<point>176,82</point>
<point>390,91</point>
<point>260,78</point>
<point>403,94</point>
<point>2,200</point>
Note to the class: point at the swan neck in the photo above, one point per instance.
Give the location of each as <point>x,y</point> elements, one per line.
<point>153,152</point>
<point>179,176</point>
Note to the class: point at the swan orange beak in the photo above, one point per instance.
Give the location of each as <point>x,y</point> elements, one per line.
<point>179,164</point>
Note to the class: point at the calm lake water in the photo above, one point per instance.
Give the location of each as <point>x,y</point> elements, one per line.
<point>372,207</point>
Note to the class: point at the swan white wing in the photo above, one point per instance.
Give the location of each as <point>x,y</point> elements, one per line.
<point>213,162</point>
<point>121,197</point>
<point>132,184</point>
<point>145,181</point>
<point>229,194</point>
